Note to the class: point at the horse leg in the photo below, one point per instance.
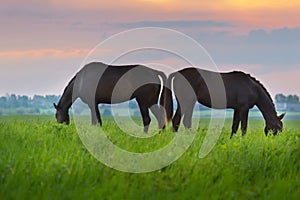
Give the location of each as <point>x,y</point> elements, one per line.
<point>95,114</point>
<point>236,122</point>
<point>187,117</point>
<point>244,112</point>
<point>145,114</point>
<point>98,115</point>
<point>159,114</point>
<point>177,118</point>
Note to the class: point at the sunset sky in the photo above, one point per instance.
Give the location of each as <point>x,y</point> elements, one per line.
<point>42,43</point>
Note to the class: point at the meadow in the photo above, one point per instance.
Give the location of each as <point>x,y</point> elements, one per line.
<point>40,159</point>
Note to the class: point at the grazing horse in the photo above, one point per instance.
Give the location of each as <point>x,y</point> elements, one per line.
<point>242,92</point>
<point>99,83</point>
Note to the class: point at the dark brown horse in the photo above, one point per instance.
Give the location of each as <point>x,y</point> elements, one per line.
<point>99,83</point>
<point>235,90</point>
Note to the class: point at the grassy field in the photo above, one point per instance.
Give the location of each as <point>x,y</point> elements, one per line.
<point>40,159</point>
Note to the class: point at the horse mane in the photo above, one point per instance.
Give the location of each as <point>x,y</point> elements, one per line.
<point>263,87</point>
<point>70,84</point>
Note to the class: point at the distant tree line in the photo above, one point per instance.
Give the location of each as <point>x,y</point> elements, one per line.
<point>22,104</point>
<point>280,98</point>
<point>38,104</point>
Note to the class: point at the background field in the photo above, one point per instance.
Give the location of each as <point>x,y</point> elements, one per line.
<point>42,159</point>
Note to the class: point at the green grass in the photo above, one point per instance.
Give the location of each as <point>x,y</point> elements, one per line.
<point>40,159</point>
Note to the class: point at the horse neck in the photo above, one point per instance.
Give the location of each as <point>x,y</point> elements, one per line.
<point>67,99</point>
<point>266,106</point>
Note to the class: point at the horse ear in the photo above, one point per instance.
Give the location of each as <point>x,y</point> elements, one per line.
<point>55,106</point>
<point>281,116</point>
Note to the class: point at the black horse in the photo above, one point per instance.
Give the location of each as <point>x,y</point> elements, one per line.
<point>235,90</point>
<point>99,83</point>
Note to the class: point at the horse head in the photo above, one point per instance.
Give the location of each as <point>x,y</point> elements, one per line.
<point>61,115</point>
<point>275,125</point>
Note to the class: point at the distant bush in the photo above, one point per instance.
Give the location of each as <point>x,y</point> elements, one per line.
<point>107,113</point>
<point>280,98</point>
<point>22,104</point>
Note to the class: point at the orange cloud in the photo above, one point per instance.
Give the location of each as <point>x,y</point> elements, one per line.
<point>263,13</point>
<point>98,15</point>
<point>262,4</point>
<point>42,53</point>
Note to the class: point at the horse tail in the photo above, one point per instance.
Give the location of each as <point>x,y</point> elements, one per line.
<point>166,97</point>
<point>169,98</point>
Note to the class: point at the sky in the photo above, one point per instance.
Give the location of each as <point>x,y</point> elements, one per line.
<point>43,43</point>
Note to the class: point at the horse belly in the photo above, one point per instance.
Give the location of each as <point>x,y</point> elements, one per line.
<point>126,89</point>
<point>110,94</point>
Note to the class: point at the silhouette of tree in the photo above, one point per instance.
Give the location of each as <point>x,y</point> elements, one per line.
<point>280,98</point>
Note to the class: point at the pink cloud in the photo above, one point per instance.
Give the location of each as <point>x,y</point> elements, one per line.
<point>33,54</point>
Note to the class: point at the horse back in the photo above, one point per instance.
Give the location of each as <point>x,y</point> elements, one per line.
<point>229,90</point>
<point>240,88</point>
<point>100,82</point>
